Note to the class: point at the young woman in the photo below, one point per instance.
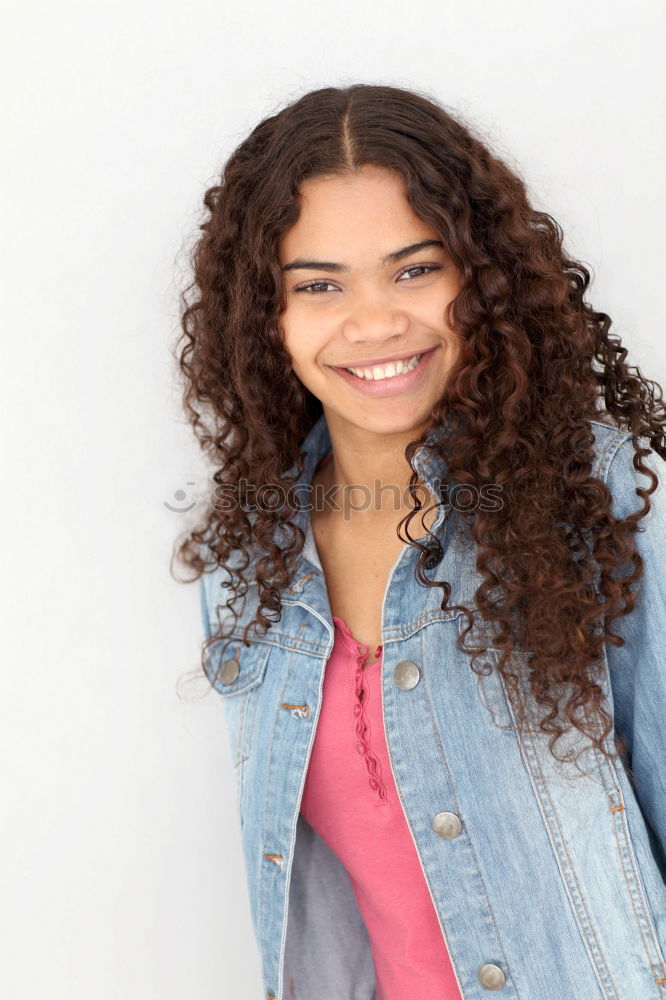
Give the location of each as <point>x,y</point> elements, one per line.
<point>449,743</point>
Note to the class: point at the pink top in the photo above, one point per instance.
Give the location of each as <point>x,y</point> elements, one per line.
<point>350,799</point>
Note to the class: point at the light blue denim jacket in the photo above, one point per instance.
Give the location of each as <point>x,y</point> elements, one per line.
<point>548,883</point>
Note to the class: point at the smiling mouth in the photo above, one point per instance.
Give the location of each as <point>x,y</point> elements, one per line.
<point>387,382</point>
<point>386,371</point>
<point>386,361</point>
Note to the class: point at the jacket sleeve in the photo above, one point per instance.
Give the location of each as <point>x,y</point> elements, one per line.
<point>637,670</point>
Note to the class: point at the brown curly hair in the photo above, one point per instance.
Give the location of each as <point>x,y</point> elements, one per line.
<point>537,362</point>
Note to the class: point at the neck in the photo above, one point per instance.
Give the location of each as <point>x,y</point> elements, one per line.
<point>370,474</point>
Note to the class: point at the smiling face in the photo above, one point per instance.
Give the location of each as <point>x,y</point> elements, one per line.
<point>367,281</point>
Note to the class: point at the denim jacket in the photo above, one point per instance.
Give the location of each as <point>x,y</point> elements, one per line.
<point>549,880</point>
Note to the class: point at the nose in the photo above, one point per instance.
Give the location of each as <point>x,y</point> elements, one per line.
<point>372,317</point>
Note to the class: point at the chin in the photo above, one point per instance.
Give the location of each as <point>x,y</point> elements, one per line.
<point>390,423</point>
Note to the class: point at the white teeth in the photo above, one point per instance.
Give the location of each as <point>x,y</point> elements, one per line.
<point>378,373</point>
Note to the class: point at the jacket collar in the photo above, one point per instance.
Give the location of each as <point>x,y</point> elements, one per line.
<point>317,444</point>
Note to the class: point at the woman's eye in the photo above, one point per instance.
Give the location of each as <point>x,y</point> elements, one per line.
<point>423,268</point>
<point>313,286</point>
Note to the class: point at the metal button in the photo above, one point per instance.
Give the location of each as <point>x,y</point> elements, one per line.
<point>447,825</point>
<point>491,976</point>
<point>406,675</point>
<point>435,557</point>
<point>230,671</point>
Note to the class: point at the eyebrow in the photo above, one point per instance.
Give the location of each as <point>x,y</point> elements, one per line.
<point>390,258</point>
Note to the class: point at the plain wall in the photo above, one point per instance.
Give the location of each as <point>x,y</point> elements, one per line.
<point>122,873</point>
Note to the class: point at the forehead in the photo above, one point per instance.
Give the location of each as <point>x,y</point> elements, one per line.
<point>353,217</point>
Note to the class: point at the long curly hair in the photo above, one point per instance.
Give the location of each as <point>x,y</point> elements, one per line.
<point>537,362</point>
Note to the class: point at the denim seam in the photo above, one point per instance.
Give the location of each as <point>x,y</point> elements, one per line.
<point>567,869</point>
<point>626,852</point>
<point>465,831</point>
<point>238,765</point>
<point>292,832</point>
<point>629,865</point>
<point>269,799</point>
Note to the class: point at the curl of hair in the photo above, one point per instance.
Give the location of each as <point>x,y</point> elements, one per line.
<point>537,362</point>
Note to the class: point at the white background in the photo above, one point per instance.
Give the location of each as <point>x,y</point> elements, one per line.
<point>122,873</point>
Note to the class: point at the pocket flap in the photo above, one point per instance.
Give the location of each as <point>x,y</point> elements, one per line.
<point>232,667</point>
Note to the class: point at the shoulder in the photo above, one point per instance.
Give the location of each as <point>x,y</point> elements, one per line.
<point>218,584</point>
<point>608,439</point>
<point>615,452</point>
<point>213,588</point>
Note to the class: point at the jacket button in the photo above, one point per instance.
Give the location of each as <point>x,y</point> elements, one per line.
<point>435,557</point>
<point>230,671</point>
<point>447,825</point>
<point>491,976</point>
<point>406,675</point>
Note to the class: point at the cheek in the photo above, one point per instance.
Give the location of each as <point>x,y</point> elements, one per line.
<point>304,338</point>
<point>299,347</point>
<point>290,335</point>
<point>437,316</point>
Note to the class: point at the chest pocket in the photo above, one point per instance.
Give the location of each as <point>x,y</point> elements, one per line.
<point>234,668</point>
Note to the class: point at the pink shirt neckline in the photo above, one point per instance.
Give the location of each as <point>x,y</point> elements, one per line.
<point>360,648</point>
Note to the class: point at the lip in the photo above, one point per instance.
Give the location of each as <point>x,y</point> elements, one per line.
<point>389,386</point>
<point>380,361</point>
